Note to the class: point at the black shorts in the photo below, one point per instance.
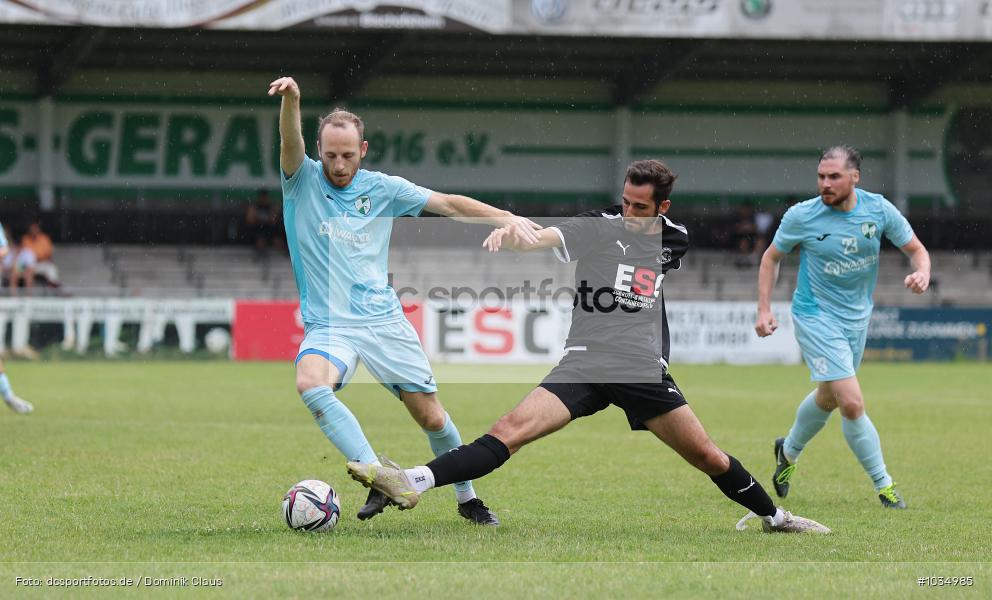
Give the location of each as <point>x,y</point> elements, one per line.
<point>640,400</point>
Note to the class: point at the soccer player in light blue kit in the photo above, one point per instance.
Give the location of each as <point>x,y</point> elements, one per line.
<point>839,233</point>
<point>16,404</point>
<point>338,221</point>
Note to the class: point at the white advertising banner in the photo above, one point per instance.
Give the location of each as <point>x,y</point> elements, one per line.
<point>951,20</point>
<point>483,15</point>
<point>513,332</point>
<point>723,332</point>
<point>519,332</point>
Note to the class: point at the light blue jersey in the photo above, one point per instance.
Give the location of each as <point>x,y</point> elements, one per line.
<point>838,261</point>
<point>339,243</point>
<point>3,239</point>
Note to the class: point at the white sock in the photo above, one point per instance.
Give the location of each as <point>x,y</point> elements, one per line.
<point>421,478</point>
<point>463,496</point>
<point>777,519</point>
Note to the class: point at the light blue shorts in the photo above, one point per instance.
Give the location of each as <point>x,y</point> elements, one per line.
<point>391,352</point>
<point>831,351</point>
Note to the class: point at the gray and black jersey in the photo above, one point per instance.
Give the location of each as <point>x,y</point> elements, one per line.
<point>619,306</point>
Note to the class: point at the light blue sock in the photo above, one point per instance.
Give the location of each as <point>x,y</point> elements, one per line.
<point>338,424</point>
<point>443,441</point>
<point>862,437</point>
<point>810,419</point>
<point>5,390</point>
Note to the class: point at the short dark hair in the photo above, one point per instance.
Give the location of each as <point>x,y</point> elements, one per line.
<point>852,158</point>
<point>340,117</point>
<point>654,172</point>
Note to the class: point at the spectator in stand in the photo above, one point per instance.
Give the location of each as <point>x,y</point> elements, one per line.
<point>263,221</point>
<point>7,254</point>
<point>18,265</point>
<point>40,245</point>
<point>744,235</point>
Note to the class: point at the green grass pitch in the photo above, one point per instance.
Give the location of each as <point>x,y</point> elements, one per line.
<point>177,469</point>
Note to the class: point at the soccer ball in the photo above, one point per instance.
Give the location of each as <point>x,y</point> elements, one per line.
<point>217,340</point>
<point>311,505</point>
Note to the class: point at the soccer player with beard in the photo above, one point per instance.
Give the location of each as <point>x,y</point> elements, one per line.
<point>839,234</point>
<point>338,220</point>
<point>616,353</point>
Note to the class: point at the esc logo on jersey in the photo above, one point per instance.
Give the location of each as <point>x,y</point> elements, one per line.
<point>639,280</point>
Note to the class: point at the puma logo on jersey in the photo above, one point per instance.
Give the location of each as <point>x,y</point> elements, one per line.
<point>622,247</point>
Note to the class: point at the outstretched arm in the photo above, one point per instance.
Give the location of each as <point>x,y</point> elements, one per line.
<point>919,280</point>
<point>291,146</point>
<point>469,210</point>
<point>504,237</point>
<point>767,276</point>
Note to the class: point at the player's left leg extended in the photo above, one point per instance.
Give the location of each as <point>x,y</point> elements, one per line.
<point>863,439</point>
<point>682,431</point>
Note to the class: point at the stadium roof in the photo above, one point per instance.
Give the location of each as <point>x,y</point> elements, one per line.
<point>631,66</point>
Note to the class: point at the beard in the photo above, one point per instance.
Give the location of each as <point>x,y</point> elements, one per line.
<point>834,199</point>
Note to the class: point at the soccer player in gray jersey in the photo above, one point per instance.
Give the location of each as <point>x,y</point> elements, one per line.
<point>616,353</point>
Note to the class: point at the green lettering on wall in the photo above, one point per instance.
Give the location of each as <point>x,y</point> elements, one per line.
<point>241,146</point>
<point>89,154</point>
<point>184,139</point>
<point>138,134</point>
<point>8,145</point>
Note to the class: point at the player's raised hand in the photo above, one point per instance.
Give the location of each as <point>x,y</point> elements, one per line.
<point>522,228</point>
<point>766,324</point>
<point>917,282</point>
<point>284,86</point>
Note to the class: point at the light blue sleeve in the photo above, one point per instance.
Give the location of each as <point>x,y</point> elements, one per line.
<point>897,228</point>
<point>291,186</point>
<point>790,231</point>
<point>408,198</point>
<point>3,240</point>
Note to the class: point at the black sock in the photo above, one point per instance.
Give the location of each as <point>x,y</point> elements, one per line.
<point>738,485</point>
<point>471,461</point>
